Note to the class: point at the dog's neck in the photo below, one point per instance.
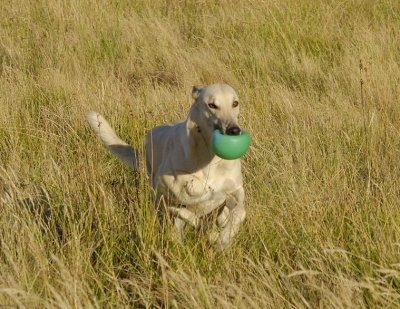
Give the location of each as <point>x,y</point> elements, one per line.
<point>198,142</point>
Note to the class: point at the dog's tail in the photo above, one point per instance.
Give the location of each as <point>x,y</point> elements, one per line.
<point>117,146</point>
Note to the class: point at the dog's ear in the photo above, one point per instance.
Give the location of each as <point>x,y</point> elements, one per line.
<point>196,91</point>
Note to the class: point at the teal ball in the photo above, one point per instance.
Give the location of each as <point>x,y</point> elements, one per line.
<point>230,147</point>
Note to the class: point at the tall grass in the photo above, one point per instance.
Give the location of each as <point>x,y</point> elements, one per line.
<point>322,176</point>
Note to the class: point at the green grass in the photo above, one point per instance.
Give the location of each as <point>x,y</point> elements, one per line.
<point>77,228</point>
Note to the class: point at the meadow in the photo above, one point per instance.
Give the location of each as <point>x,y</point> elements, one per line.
<point>318,83</point>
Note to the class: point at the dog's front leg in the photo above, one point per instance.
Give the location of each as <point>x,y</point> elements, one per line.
<point>183,216</point>
<point>237,213</point>
<point>179,225</point>
<point>222,220</point>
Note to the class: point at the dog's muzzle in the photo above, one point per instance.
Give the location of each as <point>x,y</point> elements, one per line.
<point>233,131</point>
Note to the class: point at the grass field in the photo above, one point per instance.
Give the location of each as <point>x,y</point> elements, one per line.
<point>319,89</point>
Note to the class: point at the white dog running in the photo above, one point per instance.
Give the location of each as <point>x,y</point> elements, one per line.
<point>181,166</point>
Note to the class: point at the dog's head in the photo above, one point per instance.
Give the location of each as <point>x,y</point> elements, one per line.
<point>216,107</point>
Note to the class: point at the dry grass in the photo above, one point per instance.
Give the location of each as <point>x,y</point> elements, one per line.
<point>322,177</point>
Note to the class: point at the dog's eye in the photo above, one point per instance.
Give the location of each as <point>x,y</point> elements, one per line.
<point>212,105</point>
<point>235,104</point>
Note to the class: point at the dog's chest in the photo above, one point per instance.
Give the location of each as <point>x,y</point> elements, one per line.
<point>201,191</point>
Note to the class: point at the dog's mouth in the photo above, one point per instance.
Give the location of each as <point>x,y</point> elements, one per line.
<point>218,127</point>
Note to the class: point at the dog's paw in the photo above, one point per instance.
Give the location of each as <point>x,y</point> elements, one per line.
<point>212,237</point>
<point>220,245</point>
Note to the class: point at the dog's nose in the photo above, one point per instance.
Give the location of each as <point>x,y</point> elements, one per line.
<point>233,131</point>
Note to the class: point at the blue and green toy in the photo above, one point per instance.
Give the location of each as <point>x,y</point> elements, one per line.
<point>230,147</point>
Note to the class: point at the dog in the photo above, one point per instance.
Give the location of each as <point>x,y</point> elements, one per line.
<point>183,170</point>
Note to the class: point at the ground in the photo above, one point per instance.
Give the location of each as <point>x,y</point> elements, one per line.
<point>318,83</point>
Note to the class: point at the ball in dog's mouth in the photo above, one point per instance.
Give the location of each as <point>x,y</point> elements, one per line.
<point>230,147</point>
